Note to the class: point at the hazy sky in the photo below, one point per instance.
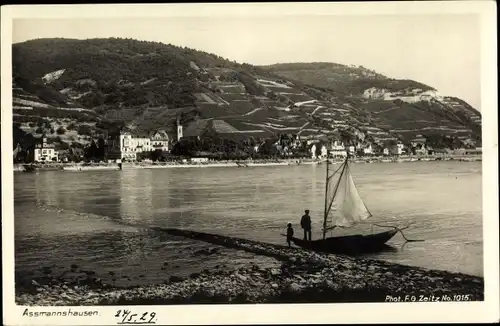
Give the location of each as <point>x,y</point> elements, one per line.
<point>442,51</point>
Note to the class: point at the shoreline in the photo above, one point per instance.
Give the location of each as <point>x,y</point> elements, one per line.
<point>30,167</point>
<point>303,277</point>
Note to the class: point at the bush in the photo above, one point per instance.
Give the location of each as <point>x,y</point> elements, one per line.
<point>85,130</point>
<point>39,130</point>
<point>61,131</point>
<point>63,146</point>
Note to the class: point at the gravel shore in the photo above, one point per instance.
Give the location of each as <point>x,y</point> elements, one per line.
<point>303,277</point>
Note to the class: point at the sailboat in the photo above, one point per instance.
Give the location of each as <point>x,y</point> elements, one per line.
<point>345,208</point>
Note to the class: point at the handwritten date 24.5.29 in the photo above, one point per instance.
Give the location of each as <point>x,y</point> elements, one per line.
<point>130,318</point>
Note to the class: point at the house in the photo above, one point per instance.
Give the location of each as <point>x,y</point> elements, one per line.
<point>160,141</point>
<point>311,141</point>
<point>125,146</point>
<point>368,150</point>
<point>43,151</point>
<point>418,140</point>
<point>421,149</point>
<point>287,151</point>
<point>296,142</point>
<point>324,152</point>
<point>313,151</point>
<point>199,159</point>
<point>338,149</point>
<point>397,149</point>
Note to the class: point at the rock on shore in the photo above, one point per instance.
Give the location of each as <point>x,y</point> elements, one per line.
<point>304,276</point>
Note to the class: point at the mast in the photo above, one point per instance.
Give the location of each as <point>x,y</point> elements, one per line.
<point>325,215</point>
<point>329,206</point>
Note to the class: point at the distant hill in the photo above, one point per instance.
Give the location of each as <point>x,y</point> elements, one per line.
<point>74,90</point>
<point>341,79</point>
<point>402,106</point>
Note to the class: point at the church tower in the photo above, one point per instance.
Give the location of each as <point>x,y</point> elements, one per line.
<point>179,129</point>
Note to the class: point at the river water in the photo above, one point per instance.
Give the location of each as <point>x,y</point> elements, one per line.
<point>102,220</point>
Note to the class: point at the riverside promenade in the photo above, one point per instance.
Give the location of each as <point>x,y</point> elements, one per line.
<point>30,167</point>
<point>299,276</point>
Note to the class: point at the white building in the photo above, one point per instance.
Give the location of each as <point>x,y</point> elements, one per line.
<point>338,149</point>
<point>43,151</point>
<point>324,152</point>
<point>125,147</point>
<point>313,151</point>
<point>160,141</point>
<point>141,144</point>
<point>199,159</point>
<point>368,150</point>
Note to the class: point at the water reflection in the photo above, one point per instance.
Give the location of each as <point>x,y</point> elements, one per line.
<point>47,191</point>
<point>254,203</point>
<point>135,192</point>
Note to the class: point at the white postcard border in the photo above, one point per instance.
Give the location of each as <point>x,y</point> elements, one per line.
<point>271,313</point>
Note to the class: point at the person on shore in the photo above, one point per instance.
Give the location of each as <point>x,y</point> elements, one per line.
<point>289,234</point>
<point>305,223</point>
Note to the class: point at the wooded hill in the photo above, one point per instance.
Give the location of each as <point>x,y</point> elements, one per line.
<point>95,85</point>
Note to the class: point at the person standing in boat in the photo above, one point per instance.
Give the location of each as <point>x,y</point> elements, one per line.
<point>289,234</point>
<point>305,223</point>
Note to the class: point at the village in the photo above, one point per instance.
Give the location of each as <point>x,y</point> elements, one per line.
<point>158,145</point>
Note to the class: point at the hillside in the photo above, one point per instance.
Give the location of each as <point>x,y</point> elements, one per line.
<point>75,90</point>
<point>400,106</point>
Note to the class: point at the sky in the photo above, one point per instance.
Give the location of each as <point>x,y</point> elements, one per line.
<point>440,50</point>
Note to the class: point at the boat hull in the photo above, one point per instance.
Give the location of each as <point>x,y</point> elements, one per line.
<point>352,244</point>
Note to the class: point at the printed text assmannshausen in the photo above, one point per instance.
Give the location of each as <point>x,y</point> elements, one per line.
<point>64,313</point>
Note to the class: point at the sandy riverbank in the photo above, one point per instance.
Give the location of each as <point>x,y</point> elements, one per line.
<point>302,276</point>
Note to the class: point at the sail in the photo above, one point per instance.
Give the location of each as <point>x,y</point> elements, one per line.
<point>346,205</point>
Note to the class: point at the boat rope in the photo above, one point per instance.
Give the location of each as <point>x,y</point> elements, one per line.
<point>334,173</point>
<point>400,230</point>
